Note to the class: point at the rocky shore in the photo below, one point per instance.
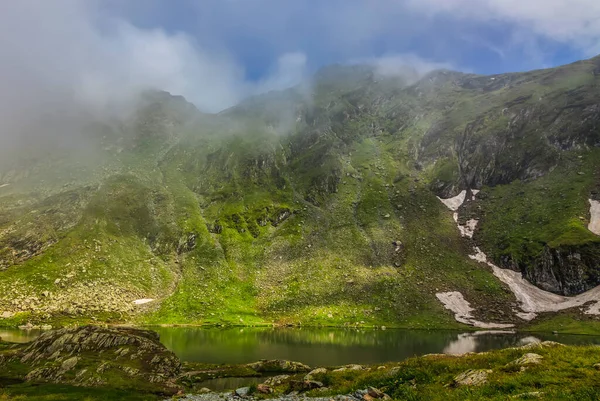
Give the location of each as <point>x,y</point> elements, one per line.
<point>125,363</point>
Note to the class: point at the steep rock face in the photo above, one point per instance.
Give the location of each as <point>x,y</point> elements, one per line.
<point>565,270</point>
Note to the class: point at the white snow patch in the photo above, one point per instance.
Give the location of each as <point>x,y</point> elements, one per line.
<point>475,192</point>
<point>143,301</point>
<point>454,203</point>
<point>525,316</point>
<point>535,300</point>
<point>594,225</point>
<point>4,185</point>
<point>455,302</point>
<point>469,229</point>
<point>532,299</point>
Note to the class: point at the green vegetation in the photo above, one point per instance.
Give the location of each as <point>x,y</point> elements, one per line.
<point>565,323</point>
<point>565,373</point>
<point>537,371</point>
<point>62,392</point>
<point>321,211</point>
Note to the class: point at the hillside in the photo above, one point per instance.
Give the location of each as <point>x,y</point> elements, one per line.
<point>316,205</point>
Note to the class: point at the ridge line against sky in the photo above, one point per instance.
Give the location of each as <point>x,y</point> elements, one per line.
<point>217,52</point>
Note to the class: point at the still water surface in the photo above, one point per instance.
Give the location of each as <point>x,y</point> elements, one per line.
<point>324,346</point>
<point>329,347</point>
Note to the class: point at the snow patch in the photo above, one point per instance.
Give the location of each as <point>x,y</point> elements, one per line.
<point>525,316</point>
<point>594,225</point>
<point>454,203</point>
<point>455,302</point>
<point>143,301</point>
<point>4,185</point>
<point>534,300</point>
<point>469,229</point>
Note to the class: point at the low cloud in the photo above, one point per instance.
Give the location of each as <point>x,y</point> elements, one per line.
<point>63,58</point>
<point>409,67</point>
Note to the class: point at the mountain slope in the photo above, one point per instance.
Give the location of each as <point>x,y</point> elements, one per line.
<point>317,204</point>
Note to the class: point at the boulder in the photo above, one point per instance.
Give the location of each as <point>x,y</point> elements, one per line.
<point>349,367</point>
<point>314,372</point>
<point>242,391</point>
<point>276,380</point>
<point>69,364</point>
<point>304,385</point>
<point>278,365</point>
<point>56,352</point>
<point>264,389</point>
<point>472,377</point>
<point>527,359</point>
<point>375,393</point>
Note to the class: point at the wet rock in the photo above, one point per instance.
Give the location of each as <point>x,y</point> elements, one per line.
<point>472,377</point>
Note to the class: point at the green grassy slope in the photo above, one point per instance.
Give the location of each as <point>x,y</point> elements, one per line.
<point>315,205</point>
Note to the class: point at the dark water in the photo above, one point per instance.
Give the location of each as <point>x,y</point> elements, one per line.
<point>329,347</point>
<point>325,347</point>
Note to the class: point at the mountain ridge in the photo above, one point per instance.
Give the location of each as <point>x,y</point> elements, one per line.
<point>317,206</point>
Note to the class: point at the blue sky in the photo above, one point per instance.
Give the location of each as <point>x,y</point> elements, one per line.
<point>216,52</point>
<point>492,38</point>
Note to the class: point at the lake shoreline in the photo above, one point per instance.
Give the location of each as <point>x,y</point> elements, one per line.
<point>126,363</point>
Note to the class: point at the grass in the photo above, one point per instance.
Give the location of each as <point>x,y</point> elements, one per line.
<point>232,219</point>
<point>61,392</point>
<point>566,373</point>
<point>565,323</point>
<point>563,373</point>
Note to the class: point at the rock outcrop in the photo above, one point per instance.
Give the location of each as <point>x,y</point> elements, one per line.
<point>92,356</point>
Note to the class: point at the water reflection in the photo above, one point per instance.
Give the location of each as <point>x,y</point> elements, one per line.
<point>327,347</point>
<point>484,340</point>
<point>18,335</point>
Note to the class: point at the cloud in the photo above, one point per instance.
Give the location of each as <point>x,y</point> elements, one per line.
<point>572,22</point>
<point>63,59</point>
<point>57,56</point>
<point>408,66</point>
<point>291,69</point>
